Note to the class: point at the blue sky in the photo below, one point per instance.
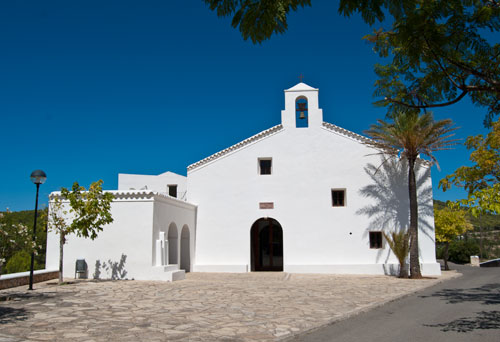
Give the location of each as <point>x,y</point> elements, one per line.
<point>90,89</point>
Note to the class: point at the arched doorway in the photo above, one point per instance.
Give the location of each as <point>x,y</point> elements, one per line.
<point>266,244</point>
<point>185,251</point>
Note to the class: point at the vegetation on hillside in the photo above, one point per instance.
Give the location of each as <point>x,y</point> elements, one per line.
<point>487,222</point>
<point>11,223</point>
<point>482,240</point>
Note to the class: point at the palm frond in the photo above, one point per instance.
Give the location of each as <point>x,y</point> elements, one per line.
<point>411,134</point>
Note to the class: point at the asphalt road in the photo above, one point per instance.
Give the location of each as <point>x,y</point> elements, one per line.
<point>462,309</point>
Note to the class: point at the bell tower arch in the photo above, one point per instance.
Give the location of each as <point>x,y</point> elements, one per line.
<point>301,107</point>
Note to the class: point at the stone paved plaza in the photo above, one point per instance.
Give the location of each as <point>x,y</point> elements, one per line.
<point>204,307</point>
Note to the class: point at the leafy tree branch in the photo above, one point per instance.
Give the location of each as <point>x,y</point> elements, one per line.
<point>88,212</point>
<point>439,48</point>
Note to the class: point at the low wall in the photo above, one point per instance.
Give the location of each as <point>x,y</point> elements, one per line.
<point>23,278</point>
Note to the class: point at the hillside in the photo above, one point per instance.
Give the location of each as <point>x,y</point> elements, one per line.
<point>486,233</point>
<point>26,217</point>
<point>485,222</point>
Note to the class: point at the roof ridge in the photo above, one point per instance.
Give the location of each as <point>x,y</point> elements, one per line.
<point>345,132</point>
<point>361,138</point>
<point>236,146</point>
<point>126,194</point>
<point>115,193</point>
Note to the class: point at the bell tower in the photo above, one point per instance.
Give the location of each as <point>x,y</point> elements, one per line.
<point>301,107</point>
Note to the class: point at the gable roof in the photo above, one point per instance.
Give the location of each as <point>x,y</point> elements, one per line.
<point>301,87</point>
<point>327,126</point>
<point>170,173</point>
<point>345,132</point>
<point>237,146</point>
<point>275,129</point>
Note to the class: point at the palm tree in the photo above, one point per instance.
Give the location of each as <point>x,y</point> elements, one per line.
<point>400,246</point>
<point>406,137</point>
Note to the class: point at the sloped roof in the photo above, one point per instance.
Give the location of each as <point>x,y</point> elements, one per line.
<point>126,195</point>
<point>270,131</point>
<point>345,132</point>
<point>237,146</point>
<point>170,173</point>
<point>301,87</point>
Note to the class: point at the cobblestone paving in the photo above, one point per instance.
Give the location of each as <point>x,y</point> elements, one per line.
<point>204,307</point>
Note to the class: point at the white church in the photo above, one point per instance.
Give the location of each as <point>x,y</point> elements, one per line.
<point>304,196</point>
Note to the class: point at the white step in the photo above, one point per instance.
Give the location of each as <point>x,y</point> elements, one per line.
<point>171,267</point>
<point>178,275</point>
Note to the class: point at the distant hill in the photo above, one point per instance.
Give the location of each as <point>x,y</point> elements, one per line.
<point>486,222</point>
<point>26,217</point>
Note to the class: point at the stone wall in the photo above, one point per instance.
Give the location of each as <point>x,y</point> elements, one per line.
<point>20,279</point>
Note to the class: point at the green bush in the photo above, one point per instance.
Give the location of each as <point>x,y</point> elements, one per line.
<point>439,250</point>
<point>461,250</point>
<point>20,262</point>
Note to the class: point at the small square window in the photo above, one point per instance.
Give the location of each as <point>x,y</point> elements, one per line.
<point>265,166</point>
<point>338,197</point>
<point>172,190</point>
<point>375,240</point>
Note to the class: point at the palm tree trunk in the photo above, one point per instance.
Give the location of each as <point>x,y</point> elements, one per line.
<point>412,191</point>
<point>403,273</point>
<point>61,246</point>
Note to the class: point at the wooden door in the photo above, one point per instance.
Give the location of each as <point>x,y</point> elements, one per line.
<point>267,245</point>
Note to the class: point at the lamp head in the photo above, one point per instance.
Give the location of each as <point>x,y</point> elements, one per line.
<point>38,177</point>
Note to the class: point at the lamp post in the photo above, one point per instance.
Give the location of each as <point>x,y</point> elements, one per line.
<point>37,177</point>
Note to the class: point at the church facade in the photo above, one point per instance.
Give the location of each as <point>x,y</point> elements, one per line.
<point>304,196</point>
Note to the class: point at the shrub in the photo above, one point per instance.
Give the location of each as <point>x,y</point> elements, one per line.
<point>439,250</point>
<point>20,262</point>
<point>461,250</point>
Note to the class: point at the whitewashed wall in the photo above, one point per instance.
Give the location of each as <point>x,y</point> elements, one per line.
<point>128,244</point>
<point>307,164</point>
<point>157,183</point>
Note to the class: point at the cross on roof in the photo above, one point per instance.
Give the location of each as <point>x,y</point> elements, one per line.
<point>301,77</point>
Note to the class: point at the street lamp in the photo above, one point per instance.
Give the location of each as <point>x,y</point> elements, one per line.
<point>37,177</point>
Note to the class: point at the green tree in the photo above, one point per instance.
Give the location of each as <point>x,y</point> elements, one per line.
<point>407,136</point>
<point>257,20</point>
<point>88,212</point>
<point>15,219</point>
<point>438,47</point>
<point>399,242</point>
<point>482,179</point>
<point>485,158</point>
<point>449,224</point>
<point>14,236</point>
<point>440,53</point>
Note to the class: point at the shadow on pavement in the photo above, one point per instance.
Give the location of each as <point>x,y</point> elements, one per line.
<point>23,296</point>
<point>11,315</point>
<point>487,294</point>
<point>484,320</point>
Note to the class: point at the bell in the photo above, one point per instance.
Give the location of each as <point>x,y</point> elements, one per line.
<point>302,108</point>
